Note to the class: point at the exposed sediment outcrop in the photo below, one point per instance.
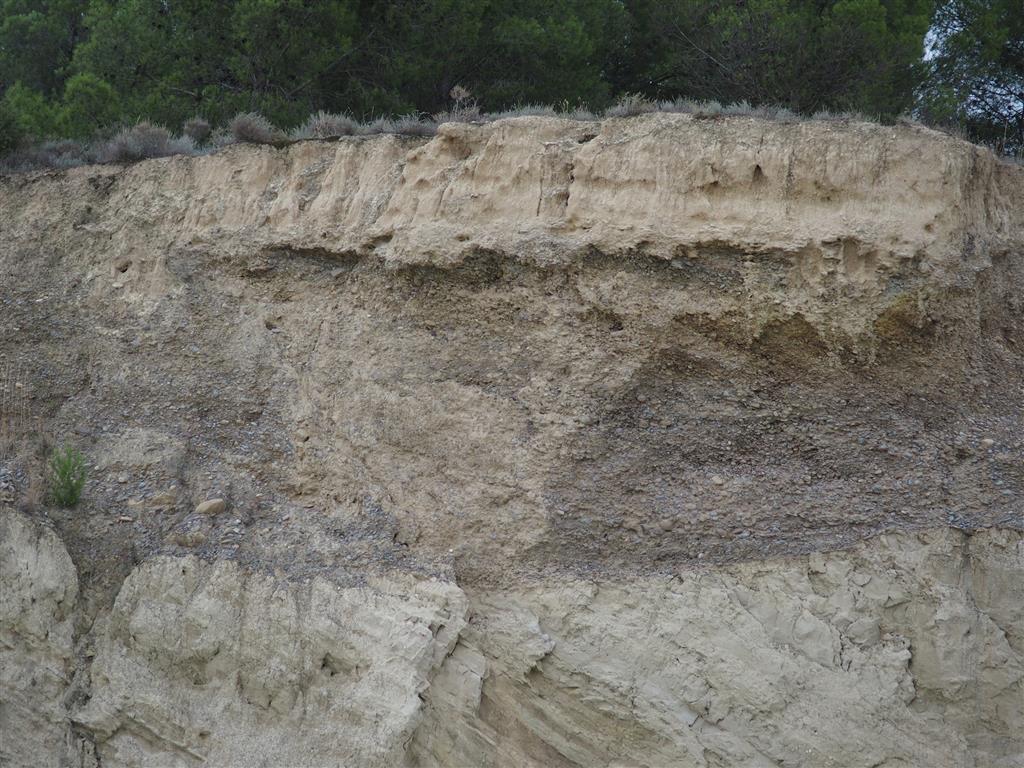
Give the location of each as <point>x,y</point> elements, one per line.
<point>38,592</point>
<point>659,441</point>
<point>905,650</point>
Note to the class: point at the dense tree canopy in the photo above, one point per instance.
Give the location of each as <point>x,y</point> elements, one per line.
<point>71,67</point>
<point>976,77</point>
<point>806,55</point>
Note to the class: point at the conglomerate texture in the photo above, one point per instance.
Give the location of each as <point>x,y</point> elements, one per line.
<point>650,441</point>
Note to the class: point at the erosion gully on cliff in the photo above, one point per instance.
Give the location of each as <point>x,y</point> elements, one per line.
<point>660,441</point>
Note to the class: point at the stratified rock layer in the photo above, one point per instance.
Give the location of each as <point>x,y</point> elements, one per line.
<point>905,650</point>
<point>304,675</point>
<point>659,441</point>
<point>38,590</point>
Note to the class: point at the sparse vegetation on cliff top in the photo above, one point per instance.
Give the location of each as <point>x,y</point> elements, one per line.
<point>146,140</point>
<point>73,68</point>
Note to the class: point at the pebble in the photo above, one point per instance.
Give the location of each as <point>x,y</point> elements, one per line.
<point>211,507</point>
<point>188,538</point>
<point>632,524</point>
<point>718,480</point>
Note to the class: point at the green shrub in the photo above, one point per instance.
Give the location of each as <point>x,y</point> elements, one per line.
<point>10,131</point>
<point>89,105</point>
<point>36,117</point>
<point>67,476</point>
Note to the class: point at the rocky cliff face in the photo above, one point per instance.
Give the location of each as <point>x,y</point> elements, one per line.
<point>907,649</point>
<point>654,441</point>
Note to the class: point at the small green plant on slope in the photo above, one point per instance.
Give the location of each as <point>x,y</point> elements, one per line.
<point>67,476</point>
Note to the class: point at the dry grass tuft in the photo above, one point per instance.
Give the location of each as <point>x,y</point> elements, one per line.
<point>65,153</point>
<point>254,128</point>
<point>35,488</point>
<point>326,125</point>
<point>142,142</point>
<point>21,435</point>
<point>631,105</point>
<point>413,125</point>
<point>15,420</point>
<point>197,129</point>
